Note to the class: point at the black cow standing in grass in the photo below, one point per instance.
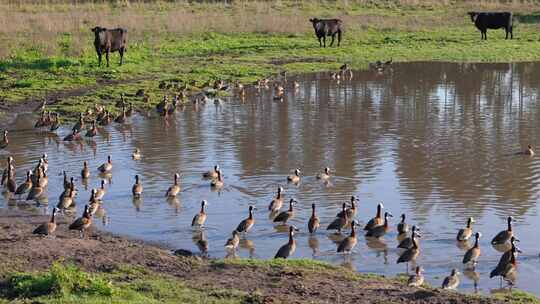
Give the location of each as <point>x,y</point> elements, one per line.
<point>484,21</point>
<point>327,27</point>
<point>107,41</point>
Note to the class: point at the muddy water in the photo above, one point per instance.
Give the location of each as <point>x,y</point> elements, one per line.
<point>432,140</point>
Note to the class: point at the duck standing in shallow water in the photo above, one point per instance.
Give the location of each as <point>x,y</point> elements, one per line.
<point>348,243</point>
<point>402,227</point>
<point>377,220</point>
<point>137,188</point>
<point>175,188</point>
<point>341,221</point>
<point>381,230</point>
<point>5,141</point>
<point>314,222</point>
<point>324,175</point>
<point>200,218</point>
<point>505,235</point>
<point>286,215</point>
<point>294,178</point>
<point>288,249</point>
<point>246,224</point>
<point>277,202</point>
<point>232,242</point>
<point>212,173</point>
<point>106,167</point>
<point>465,233</point>
<point>218,182</point>
<point>472,255</point>
<point>529,151</point>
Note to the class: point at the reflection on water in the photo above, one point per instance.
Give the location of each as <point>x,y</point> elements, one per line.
<point>433,140</point>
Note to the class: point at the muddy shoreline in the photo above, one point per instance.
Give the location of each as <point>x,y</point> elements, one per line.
<point>102,251</point>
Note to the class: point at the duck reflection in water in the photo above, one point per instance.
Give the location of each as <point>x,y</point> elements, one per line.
<point>137,203</point>
<point>313,243</point>
<point>200,240</point>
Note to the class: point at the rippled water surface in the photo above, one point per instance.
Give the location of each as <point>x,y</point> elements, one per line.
<point>432,140</point>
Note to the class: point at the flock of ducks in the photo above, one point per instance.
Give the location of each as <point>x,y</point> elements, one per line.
<point>377,227</point>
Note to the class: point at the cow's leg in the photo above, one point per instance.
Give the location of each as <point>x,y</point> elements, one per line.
<point>107,56</point>
<point>324,40</point>
<point>320,42</point>
<point>121,51</point>
<point>332,41</point>
<point>99,58</point>
<point>338,37</point>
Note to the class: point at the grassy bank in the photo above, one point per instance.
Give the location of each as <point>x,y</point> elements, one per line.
<point>49,51</point>
<point>66,283</point>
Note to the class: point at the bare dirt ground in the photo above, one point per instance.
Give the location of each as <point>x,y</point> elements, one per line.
<point>99,251</point>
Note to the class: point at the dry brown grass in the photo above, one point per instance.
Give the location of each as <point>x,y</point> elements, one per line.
<point>41,24</point>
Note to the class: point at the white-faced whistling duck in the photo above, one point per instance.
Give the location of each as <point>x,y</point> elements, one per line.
<point>82,223</point>
<point>232,242</point>
<point>85,172</point>
<point>137,187</point>
<point>5,141</point>
<point>49,227</point>
<point>528,151</point>
<point>129,111</point>
<point>200,218</point>
<point>340,222</point>
<point>294,178</point>
<point>40,121</point>
<point>45,162</point>
<point>324,175</point>
<point>288,249</point>
<point>506,269</point>
<point>505,257</point>
<point>351,211</point>
<point>296,85</point>
<point>277,202</point>
<point>6,171</point>
<point>218,182</point>
<point>121,118</point>
<point>11,185</point>
<point>472,255</point>
<point>505,235</point>
<point>67,200</point>
<point>92,131</point>
<point>417,279</point>
<point>136,155</point>
<point>66,180</point>
<point>314,222</point>
<point>79,125</point>
<point>106,120</point>
<point>381,230</point>
<point>451,281</point>
<point>465,233</point>
<point>212,173</point>
<point>106,167</point>
<point>75,135</point>
<point>402,227</point>
<point>377,220</point>
<point>246,224</point>
<point>286,215</point>
<point>93,203</point>
<point>348,243</point>
<point>175,188</point>
<point>162,105</point>
<point>100,192</point>
<point>44,181</point>
<point>412,253</point>
<point>36,190</point>
<point>55,124</point>
<point>26,186</point>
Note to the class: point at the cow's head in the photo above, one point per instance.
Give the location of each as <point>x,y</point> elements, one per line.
<point>98,29</point>
<point>473,16</point>
<point>314,20</point>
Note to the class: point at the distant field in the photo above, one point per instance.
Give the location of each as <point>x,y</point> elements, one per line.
<point>47,46</point>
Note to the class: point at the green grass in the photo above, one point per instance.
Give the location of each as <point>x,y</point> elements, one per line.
<point>69,284</point>
<point>30,72</point>
<point>66,283</point>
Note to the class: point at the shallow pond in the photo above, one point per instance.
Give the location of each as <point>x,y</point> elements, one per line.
<point>432,140</point>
